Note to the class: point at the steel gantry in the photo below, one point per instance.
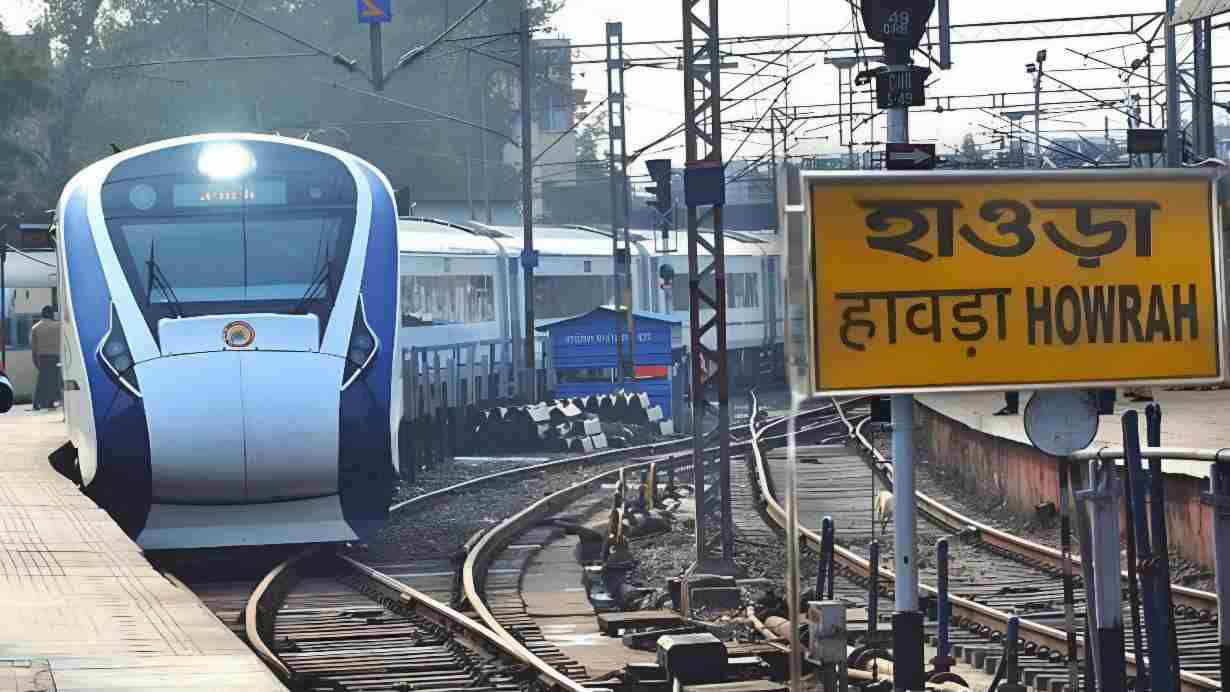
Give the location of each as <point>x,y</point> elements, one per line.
<point>617,168</point>
<point>704,186</point>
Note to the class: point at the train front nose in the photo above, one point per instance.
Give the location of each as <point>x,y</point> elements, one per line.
<point>253,423</point>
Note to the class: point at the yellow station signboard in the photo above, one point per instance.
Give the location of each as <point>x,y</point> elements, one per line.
<point>992,280</point>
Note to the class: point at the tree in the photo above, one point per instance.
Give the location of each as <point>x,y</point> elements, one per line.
<point>23,75</point>
<point>100,99</point>
<point>589,136</point>
<point>969,150</point>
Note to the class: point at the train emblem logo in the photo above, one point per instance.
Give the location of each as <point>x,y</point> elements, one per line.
<point>238,334</point>
<point>1054,279</point>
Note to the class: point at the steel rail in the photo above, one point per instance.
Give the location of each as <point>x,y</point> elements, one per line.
<point>258,613</point>
<point>464,627</point>
<point>1203,602</point>
<point>488,546</point>
<point>991,618</point>
<point>262,605</point>
<point>261,610</point>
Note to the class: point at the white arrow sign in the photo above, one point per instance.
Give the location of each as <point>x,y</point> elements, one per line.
<point>915,156</point>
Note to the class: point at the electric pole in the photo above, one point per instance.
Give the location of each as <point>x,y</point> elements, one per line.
<point>1038,108</point>
<point>1174,122</point>
<point>617,171</point>
<point>705,186</point>
<point>1202,101</point>
<point>529,258</point>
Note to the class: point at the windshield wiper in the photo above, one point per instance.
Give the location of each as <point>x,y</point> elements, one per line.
<point>159,279</point>
<point>323,277</point>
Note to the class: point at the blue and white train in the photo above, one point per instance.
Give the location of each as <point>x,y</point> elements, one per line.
<point>461,282</point>
<point>230,340</point>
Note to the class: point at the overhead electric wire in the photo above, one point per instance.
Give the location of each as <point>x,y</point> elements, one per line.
<point>1147,17</point>
<point>1129,72</point>
<point>759,120</point>
<point>217,58</point>
<point>336,56</point>
<point>1091,97</point>
<point>413,54</point>
<point>680,128</point>
<point>570,129</point>
<point>405,104</point>
<point>1048,140</point>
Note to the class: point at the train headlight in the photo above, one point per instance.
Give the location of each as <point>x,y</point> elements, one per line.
<point>116,357</point>
<point>225,161</point>
<point>363,346</point>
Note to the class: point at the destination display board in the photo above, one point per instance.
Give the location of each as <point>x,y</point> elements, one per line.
<point>973,280</point>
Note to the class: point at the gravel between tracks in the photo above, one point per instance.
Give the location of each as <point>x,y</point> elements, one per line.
<point>442,529</point>
<point>464,469</point>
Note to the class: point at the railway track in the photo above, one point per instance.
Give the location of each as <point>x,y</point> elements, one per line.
<point>497,600</point>
<point>324,620</point>
<point>1195,610</point>
<point>993,574</point>
<point>329,621</point>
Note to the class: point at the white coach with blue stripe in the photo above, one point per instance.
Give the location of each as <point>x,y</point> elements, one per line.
<point>230,340</point>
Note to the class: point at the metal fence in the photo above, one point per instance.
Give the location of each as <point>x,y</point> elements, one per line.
<point>444,387</point>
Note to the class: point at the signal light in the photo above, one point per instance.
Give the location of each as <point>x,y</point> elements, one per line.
<point>663,202</point>
<point>660,172</point>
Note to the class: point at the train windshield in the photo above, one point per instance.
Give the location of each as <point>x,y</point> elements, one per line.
<point>274,239</point>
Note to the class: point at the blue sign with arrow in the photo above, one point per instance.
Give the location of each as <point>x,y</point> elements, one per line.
<point>374,11</point>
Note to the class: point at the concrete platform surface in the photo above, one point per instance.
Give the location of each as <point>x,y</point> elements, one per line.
<point>80,607</point>
<point>1189,419</point>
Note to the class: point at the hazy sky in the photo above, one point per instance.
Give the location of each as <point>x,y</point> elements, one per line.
<point>655,100</point>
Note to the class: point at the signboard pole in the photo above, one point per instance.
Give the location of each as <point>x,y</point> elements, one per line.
<point>377,56</point>
<point>907,623</point>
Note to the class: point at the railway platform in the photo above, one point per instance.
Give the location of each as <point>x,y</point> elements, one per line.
<point>1190,418</point>
<point>994,458</point>
<point>80,606</point>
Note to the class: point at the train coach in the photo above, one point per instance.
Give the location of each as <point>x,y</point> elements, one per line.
<point>461,282</point>
<point>230,340</point>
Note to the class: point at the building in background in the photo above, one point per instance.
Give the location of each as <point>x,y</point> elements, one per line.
<point>554,143</point>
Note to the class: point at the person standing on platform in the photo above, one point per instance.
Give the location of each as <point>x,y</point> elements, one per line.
<point>1012,404</point>
<point>45,347</point>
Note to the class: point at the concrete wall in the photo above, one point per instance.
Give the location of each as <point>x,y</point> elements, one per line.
<point>1023,478</point>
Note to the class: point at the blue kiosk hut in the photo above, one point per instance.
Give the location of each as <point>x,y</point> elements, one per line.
<point>586,362</point>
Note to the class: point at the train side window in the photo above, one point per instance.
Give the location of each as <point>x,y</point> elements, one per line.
<point>566,296</point>
<point>427,300</point>
<point>742,291</point>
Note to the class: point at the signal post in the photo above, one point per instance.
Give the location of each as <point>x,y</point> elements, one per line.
<point>900,25</point>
